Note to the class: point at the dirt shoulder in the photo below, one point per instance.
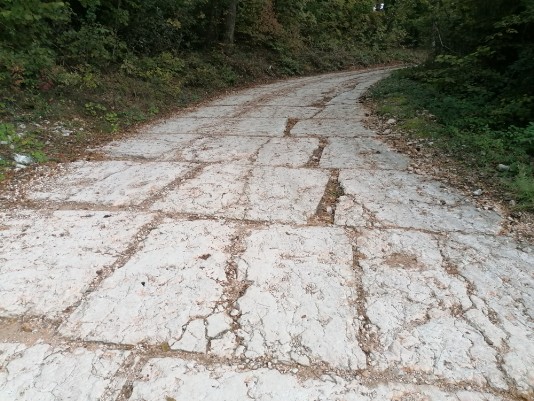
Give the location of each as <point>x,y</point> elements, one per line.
<point>429,160</point>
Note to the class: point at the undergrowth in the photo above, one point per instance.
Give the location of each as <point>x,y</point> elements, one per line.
<point>469,127</point>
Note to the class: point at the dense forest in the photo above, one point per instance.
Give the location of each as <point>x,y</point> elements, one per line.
<point>46,43</point>
<point>117,62</point>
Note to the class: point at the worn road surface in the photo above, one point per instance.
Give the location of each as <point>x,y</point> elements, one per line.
<point>265,246</point>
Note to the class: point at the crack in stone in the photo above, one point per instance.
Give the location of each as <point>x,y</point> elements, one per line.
<point>453,270</point>
<point>289,125</point>
<point>142,353</point>
<point>325,212</point>
<point>368,332</point>
<point>315,158</point>
<point>171,186</point>
<point>105,272</point>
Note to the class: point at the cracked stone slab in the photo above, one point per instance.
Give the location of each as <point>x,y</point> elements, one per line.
<point>350,97</point>
<point>148,146</point>
<point>175,379</point>
<point>179,125</point>
<point>176,277</point>
<point>295,100</point>
<point>217,191</point>
<point>330,128</point>
<point>500,272</point>
<point>48,260</point>
<point>361,153</point>
<point>300,305</point>
<point>284,194</point>
<point>241,99</point>
<point>282,112</point>
<point>223,149</point>
<point>247,127</point>
<point>46,373</point>
<point>212,112</point>
<point>114,183</point>
<point>416,308</point>
<point>342,112</point>
<point>401,199</point>
<point>237,191</point>
<point>289,152</point>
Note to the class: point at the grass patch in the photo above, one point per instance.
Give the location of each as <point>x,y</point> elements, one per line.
<point>458,128</point>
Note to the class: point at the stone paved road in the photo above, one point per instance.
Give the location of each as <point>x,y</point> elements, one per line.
<point>265,246</point>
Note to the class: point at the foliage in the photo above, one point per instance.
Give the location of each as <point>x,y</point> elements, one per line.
<point>28,143</point>
<point>459,126</point>
<point>105,65</point>
<point>40,35</point>
<point>478,82</point>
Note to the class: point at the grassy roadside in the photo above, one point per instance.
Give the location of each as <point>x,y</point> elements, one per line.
<point>454,126</point>
<point>78,109</point>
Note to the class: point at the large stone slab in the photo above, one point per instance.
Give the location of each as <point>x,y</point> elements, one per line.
<point>217,191</point>
<point>149,147</point>
<point>400,199</point>
<point>47,373</point>
<point>223,149</point>
<point>330,128</point>
<point>300,305</point>
<point>342,112</point>
<point>417,308</point>
<point>283,194</point>
<point>179,125</point>
<point>260,193</point>
<point>289,152</point>
<point>174,379</point>
<point>48,260</point>
<point>114,183</point>
<point>349,97</point>
<point>240,99</point>
<point>213,112</point>
<point>311,99</point>
<point>247,127</point>
<point>175,279</point>
<point>361,153</point>
<point>282,111</point>
<point>500,273</point>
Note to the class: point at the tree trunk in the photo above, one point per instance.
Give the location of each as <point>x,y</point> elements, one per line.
<point>230,22</point>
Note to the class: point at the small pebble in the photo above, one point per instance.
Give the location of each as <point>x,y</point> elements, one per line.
<point>503,167</point>
<point>478,192</point>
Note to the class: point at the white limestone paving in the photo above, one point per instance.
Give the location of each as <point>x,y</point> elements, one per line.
<point>263,246</point>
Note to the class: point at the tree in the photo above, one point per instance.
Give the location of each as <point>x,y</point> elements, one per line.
<point>231,15</point>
